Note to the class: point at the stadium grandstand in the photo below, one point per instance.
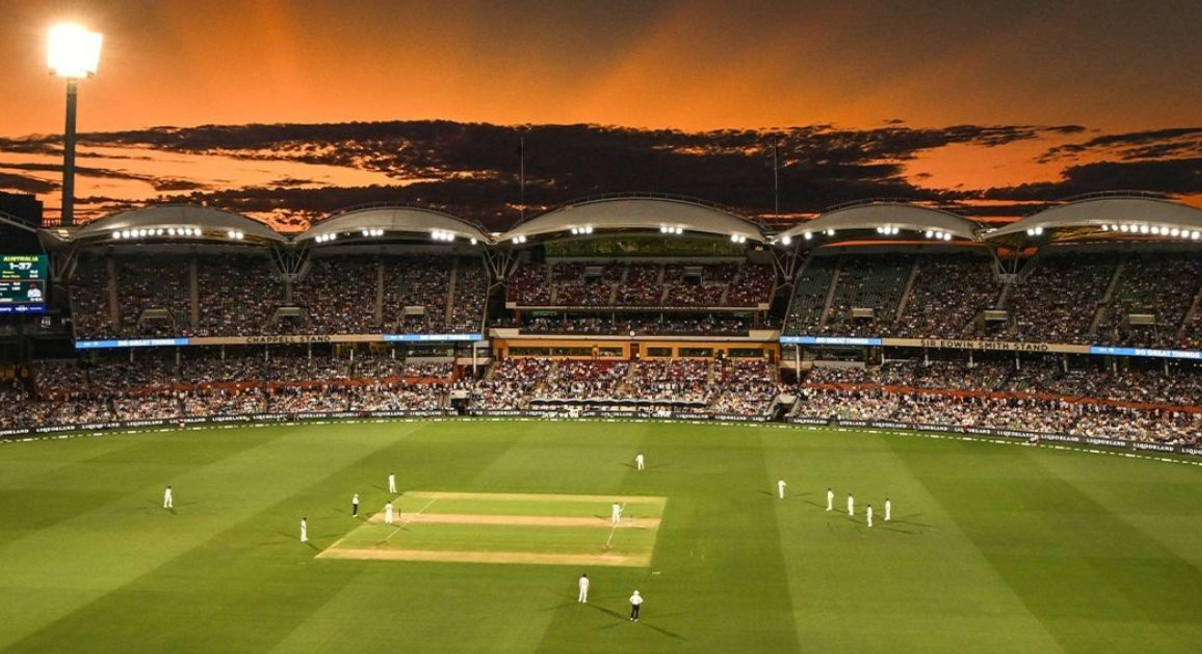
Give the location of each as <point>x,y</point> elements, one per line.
<point>1082,320</point>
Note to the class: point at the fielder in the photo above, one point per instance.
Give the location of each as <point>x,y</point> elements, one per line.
<point>388,513</point>
<point>851,505</point>
<point>888,509</point>
<point>780,488</point>
<point>392,483</point>
<point>583,596</point>
<point>830,500</point>
<point>617,513</point>
<point>869,515</point>
<point>355,506</point>
<point>636,601</point>
<point>638,461</point>
<point>168,503</point>
<point>304,530</point>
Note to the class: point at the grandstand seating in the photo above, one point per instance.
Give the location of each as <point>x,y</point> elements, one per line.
<point>1162,287</point>
<point>238,295</point>
<point>1058,298</point>
<point>874,283</point>
<point>640,284</point>
<point>940,304</point>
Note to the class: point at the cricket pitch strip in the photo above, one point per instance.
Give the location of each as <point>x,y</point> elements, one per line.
<point>508,528</point>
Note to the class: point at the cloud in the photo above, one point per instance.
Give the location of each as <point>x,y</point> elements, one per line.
<point>1173,142</point>
<point>24,184</point>
<point>472,169</point>
<point>1172,176</point>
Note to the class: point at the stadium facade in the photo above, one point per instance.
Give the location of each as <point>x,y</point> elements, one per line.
<point>646,303</point>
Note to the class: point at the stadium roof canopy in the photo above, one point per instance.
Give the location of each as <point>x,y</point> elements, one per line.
<point>1110,216</point>
<point>636,213</point>
<point>384,221</point>
<point>879,217</point>
<point>166,223</point>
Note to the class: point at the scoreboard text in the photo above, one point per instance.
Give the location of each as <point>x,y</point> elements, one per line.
<point>24,280</point>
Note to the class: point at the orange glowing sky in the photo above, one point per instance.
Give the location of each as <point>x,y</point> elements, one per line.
<point>686,65</point>
<point>1110,66</point>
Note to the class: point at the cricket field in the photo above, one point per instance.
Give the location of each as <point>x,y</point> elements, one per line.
<point>992,547</point>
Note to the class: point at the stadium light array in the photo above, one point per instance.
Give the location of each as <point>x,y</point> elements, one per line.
<point>235,234</point>
<point>888,230</point>
<point>786,240</point>
<point>1035,231</point>
<point>372,232</point>
<point>326,238</point>
<point>519,239</point>
<point>147,232</point>
<point>938,235</point>
<point>1170,231</point>
<point>671,229</point>
<point>809,236</point>
<point>473,241</point>
<point>738,238</point>
<point>586,229</point>
<point>442,235</point>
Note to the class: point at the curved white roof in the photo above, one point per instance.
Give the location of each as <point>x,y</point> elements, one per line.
<point>1107,210</point>
<point>395,219</point>
<point>902,215</point>
<point>212,222</point>
<point>637,212</point>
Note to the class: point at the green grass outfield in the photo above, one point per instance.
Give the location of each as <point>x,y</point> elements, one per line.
<point>993,548</point>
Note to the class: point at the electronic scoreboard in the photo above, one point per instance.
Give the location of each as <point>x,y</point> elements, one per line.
<point>24,283</point>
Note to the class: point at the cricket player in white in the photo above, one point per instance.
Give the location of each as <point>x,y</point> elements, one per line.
<point>583,596</point>
<point>636,601</point>
<point>168,503</point>
<point>780,488</point>
<point>355,506</point>
<point>617,513</point>
<point>869,515</point>
<point>888,509</point>
<point>391,483</point>
<point>851,505</point>
<point>638,460</point>
<point>388,513</point>
<point>830,500</point>
<point>304,530</point>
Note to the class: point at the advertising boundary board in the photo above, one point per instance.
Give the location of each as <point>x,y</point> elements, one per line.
<point>1082,443</point>
<point>984,345</point>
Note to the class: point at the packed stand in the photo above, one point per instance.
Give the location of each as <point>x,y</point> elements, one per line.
<point>745,387</point>
<point>339,296</point>
<point>238,295</point>
<point>511,384</point>
<point>670,380</point>
<point>1057,300</point>
<point>641,284</point>
<point>949,292</point>
<point>1163,287</point>
<point>1027,414</point>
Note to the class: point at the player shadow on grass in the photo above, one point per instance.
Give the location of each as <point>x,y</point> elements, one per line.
<point>626,618</point>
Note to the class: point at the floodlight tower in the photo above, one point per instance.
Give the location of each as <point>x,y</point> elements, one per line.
<point>72,52</point>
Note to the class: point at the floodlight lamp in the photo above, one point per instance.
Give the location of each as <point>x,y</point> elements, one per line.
<point>786,240</point>
<point>73,51</point>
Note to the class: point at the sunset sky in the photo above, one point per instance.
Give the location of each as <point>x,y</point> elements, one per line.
<point>977,103</point>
